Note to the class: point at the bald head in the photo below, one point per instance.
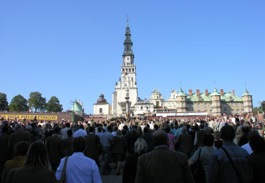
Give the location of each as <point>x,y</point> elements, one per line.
<point>160,138</point>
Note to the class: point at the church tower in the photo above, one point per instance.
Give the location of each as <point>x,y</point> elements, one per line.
<point>126,91</point>
<point>247,102</point>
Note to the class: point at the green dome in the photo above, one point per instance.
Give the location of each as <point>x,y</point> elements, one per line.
<point>77,107</point>
<point>246,93</point>
<point>215,92</point>
<point>181,93</point>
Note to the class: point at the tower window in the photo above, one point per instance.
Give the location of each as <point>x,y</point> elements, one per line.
<point>128,58</point>
<point>132,69</point>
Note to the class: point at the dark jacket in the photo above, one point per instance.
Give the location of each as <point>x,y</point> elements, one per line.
<point>163,165</point>
<point>31,175</point>
<point>118,144</point>
<point>55,150</point>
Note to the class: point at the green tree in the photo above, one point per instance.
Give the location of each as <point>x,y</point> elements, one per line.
<point>36,102</point>
<point>257,110</point>
<point>262,105</point>
<point>3,102</point>
<point>18,104</point>
<point>53,105</point>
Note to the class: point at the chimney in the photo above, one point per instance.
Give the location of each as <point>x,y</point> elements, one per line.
<point>198,92</point>
<point>233,92</point>
<point>222,92</point>
<point>190,92</point>
<point>206,92</point>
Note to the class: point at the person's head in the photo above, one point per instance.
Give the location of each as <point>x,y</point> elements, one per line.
<point>201,125</point>
<point>184,129</point>
<point>115,128</point>
<point>79,144</point>
<point>118,132</point>
<point>245,129</point>
<point>227,133</point>
<point>257,143</point>
<point>57,130</point>
<point>21,148</point>
<point>91,129</point>
<point>67,124</point>
<point>159,137</point>
<point>146,130</point>
<point>208,139</point>
<point>99,129</point>
<point>69,133</point>
<point>5,129</point>
<point>109,128</point>
<point>167,129</point>
<point>37,156</point>
<point>156,127</point>
<point>252,133</point>
<point>140,146</point>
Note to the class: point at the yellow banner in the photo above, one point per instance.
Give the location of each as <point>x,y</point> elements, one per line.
<point>31,117</point>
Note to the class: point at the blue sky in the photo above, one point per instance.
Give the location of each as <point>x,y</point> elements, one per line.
<point>73,49</point>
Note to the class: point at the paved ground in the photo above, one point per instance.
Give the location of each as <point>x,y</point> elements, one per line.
<point>112,178</point>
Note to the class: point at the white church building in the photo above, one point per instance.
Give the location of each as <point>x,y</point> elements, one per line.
<point>125,100</point>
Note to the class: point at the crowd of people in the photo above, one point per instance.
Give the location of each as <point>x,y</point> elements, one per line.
<point>229,148</point>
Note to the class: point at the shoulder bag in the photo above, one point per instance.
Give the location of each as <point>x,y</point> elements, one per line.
<point>63,175</point>
<point>198,170</point>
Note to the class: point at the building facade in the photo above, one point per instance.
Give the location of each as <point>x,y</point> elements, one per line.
<point>125,100</point>
<point>126,90</point>
<point>214,103</point>
<point>101,107</point>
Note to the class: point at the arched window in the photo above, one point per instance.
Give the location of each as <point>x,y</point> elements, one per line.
<point>100,110</point>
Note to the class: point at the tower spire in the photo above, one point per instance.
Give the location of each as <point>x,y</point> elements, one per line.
<point>127,25</point>
<point>128,42</point>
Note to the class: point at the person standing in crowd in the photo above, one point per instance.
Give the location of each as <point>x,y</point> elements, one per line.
<point>163,164</point>
<point>130,138</point>
<point>171,138</point>
<point>55,148</point>
<point>64,130</point>
<point>4,147</point>
<point>67,143</point>
<point>257,158</point>
<point>105,139</point>
<point>18,161</point>
<point>79,168</point>
<point>221,169</point>
<point>147,136</point>
<point>130,166</point>
<point>184,142</point>
<point>205,153</point>
<point>198,139</point>
<point>117,150</point>
<point>94,146</point>
<point>18,136</point>
<point>208,129</point>
<point>36,168</point>
<point>80,132</point>
<point>247,145</point>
